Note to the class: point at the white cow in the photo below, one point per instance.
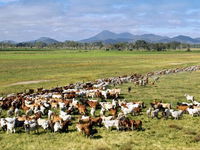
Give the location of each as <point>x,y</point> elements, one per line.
<point>189,97</point>
<point>43,123</point>
<point>192,112</point>
<point>57,126</point>
<point>10,122</point>
<point>111,123</point>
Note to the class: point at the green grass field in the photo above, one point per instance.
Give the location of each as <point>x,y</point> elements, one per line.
<point>63,67</point>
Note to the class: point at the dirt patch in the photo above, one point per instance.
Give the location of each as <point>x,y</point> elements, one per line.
<point>27,82</point>
<point>176,63</point>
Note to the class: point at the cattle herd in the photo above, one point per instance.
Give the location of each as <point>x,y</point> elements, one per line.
<point>87,105</point>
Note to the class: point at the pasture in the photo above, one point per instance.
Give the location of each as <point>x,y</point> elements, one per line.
<point>63,67</point>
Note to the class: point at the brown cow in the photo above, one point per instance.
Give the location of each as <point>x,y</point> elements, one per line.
<point>92,103</point>
<point>86,128</point>
<point>137,110</point>
<point>54,118</point>
<point>96,121</point>
<point>183,108</point>
<point>136,124</point>
<point>65,125</point>
<point>81,108</point>
<point>113,111</point>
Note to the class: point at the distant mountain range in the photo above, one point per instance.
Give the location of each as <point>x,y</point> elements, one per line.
<point>111,37</point>
<point>46,40</point>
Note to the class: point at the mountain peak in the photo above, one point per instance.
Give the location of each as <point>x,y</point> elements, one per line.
<point>46,40</point>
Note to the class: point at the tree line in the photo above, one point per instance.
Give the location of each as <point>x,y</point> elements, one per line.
<point>138,45</point>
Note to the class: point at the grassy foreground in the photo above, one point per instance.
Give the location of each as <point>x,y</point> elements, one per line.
<point>65,67</point>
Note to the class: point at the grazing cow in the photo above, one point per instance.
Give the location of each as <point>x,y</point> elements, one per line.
<point>157,105</point>
<point>114,103</point>
<point>92,111</point>
<point>65,116</point>
<point>61,105</point>
<point>111,123</point>
<point>148,112</point>
<point>104,118</point>
<point>84,119</point>
<point>189,97</point>
<point>137,110</point>
<point>166,105</point>
<point>31,125</point>
<point>106,105</point>
<point>192,112</point>
<point>154,113</point>
<point>19,123</point>
<point>65,125</point>
<point>10,122</point>
<point>57,96</point>
<point>176,114</point>
<point>81,108</point>
<point>102,111</point>
<point>196,103</point>
<point>113,112</point>
<point>57,126</point>
<point>166,113</point>
<point>16,112</point>
<point>96,121</point>
<point>50,113</point>
<point>43,123</point>
<point>10,112</point>
<point>129,108</point>
<point>86,128</point>
<point>136,124</point>
<point>140,103</point>
<point>55,118</point>
<point>3,124</point>
<point>92,103</point>
<point>183,108</point>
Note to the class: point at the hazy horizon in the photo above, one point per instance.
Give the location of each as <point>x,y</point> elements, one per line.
<point>24,20</point>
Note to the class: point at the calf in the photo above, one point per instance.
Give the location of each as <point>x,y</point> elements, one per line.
<point>57,126</point>
<point>31,125</point>
<point>96,121</point>
<point>111,123</point>
<point>136,124</point>
<point>183,108</point>
<point>113,112</point>
<point>10,122</point>
<point>81,108</point>
<point>3,124</point>
<point>92,111</point>
<point>148,112</point>
<point>64,125</point>
<point>176,114</point>
<point>192,112</point>
<point>154,113</point>
<point>137,110</point>
<point>92,103</point>
<point>65,116</point>
<point>86,128</point>
<point>189,97</point>
<point>43,123</point>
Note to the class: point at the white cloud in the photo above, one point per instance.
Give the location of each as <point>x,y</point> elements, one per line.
<point>78,19</point>
<point>7,1</point>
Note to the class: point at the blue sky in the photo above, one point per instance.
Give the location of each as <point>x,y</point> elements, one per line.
<point>22,20</point>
